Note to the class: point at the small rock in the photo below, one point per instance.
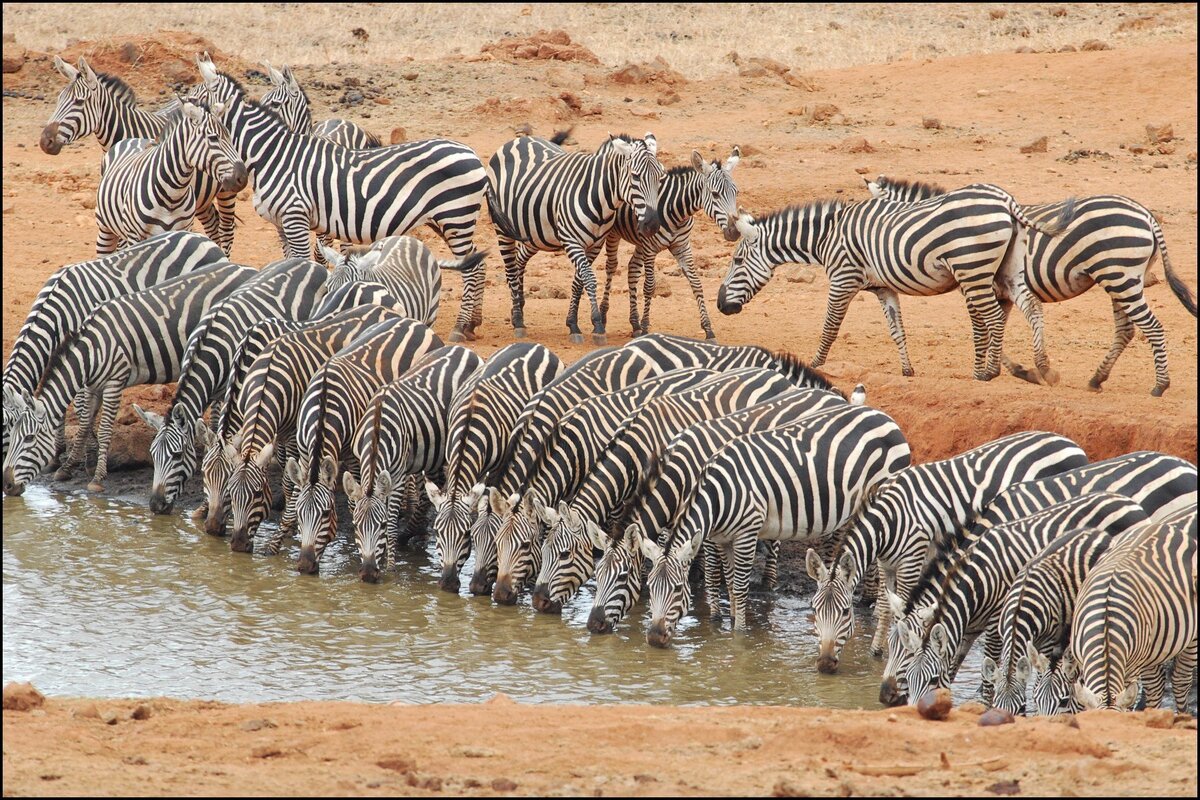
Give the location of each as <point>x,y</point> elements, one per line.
<point>136,761</point>
<point>473,752</point>
<point>834,25</point>
<point>109,717</point>
<point>753,71</point>
<point>398,135</point>
<point>13,57</point>
<point>1038,145</point>
<point>1095,44</point>
<point>995,716</point>
<point>669,99</point>
<point>982,93</point>
<point>1160,165</point>
<point>503,785</point>
<point>383,101</point>
<point>90,711</point>
<point>786,789</point>
<point>1068,48</point>
<point>1161,718</point>
<point>1166,149</point>
<point>1191,157</point>
<point>1058,11</point>
<point>1136,148</point>
<point>856,144</point>
<point>972,707</point>
<point>352,98</point>
<point>1160,133</point>
<point>935,705</point>
<point>997,13</point>
<point>397,764</point>
<point>1186,724</point>
<point>1025,48</point>
<point>266,751</point>
<point>639,111</point>
<point>821,112</point>
<point>22,697</point>
<point>410,76</point>
<point>257,724</point>
<point>932,123</point>
<point>1005,787</point>
<point>801,275</point>
<point>862,170</point>
<point>360,34</point>
<point>141,712</point>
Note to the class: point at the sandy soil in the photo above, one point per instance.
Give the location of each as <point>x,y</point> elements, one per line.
<point>988,107</point>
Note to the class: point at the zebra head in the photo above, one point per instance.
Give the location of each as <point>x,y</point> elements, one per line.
<point>641,174</point>
<point>12,409</point>
<point>80,104</point>
<point>904,639</point>
<point>372,515</point>
<point>454,513</point>
<point>902,191</point>
<point>750,269</point>
<point>1102,688</point>
<point>31,445</point>
<point>567,557</point>
<point>1009,685</point>
<point>209,149</point>
<point>316,513</point>
<point>248,492</point>
<point>350,267</point>
<point>833,607</point>
<point>483,544</point>
<point>288,100</point>
<point>618,581</point>
<point>720,192</point>
<point>667,583</point>
<point>173,450</point>
<point>930,661</point>
<point>215,469</point>
<point>518,551</point>
<point>1052,692</point>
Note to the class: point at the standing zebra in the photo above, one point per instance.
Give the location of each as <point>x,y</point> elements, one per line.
<point>974,580</point>
<point>95,102</point>
<point>303,184</point>
<point>1112,241</point>
<point>911,515</point>
<point>333,402</point>
<point>288,99</point>
<point>1135,612</point>
<point>1036,615</point>
<point>794,482</point>
<point>963,239</point>
<point>481,420</point>
<point>1159,483</point>
<point>543,198</point>
<point>153,190</point>
<point>402,434</point>
<point>129,340</point>
<point>74,291</point>
<point>287,289</point>
<point>408,269</point>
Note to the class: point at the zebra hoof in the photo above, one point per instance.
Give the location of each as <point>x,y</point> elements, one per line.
<point>576,338</point>
<point>519,333</point>
<point>1095,386</point>
<point>710,336</point>
<point>95,487</point>
<point>1050,376</point>
<point>455,336</point>
<point>63,474</point>
<point>600,339</point>
<point>1157,391</point>
<point>908,373</point>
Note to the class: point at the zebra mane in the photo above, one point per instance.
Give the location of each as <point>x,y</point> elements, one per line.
<point>822,207</point>
<point>956,561</point>
<point>682,169</point>
<point>373,140</point>
<point>452,467</point>
<point>941,565</point>
<point>56,355</point>
<point>797,368</point>
<point>919,189</point>
<point>119,89</point>
<point>865,501</point>
<point>651,474</point>
<point>314,455</point>
<point>251,102</point>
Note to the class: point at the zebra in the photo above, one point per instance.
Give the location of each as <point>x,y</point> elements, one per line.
<point>699,186</point>
<point>909,515</point>
<point>1112,241</point>
<point>269,400</point>
<point>975,578</point>
<point>129,340</point>
<point>1160,483</point>
<point>402,433</point>
<point>962,239</point>
<point>667,483</point>
<point>215,466</point>
<point>1036,614</point>
<point>609,480</point>
<point>303,183</point>
<point>1053,682</point>
<point>103,104</point>
<point>799,481</point>
<point>288,289</point>
<point>543,198</point>
<point>408,269</point>
<point>287,99</point>
<point>153,190</point>
<point>331,407</point>
<point>1136,611</point>
<point>75,290</point>
<point>480,422</point>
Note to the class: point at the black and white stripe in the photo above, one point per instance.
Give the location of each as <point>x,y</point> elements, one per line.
<point>289,100</point>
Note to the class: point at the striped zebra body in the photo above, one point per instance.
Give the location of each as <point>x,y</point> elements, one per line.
<point>909,516</point>
<point>401,435</point>
<point>961,239</point>
<point>289,100</point>
<point>543,198</point>
<point>1111,242</point>
<point>270,400</point>
<point>129,340</point>
<point>796,482</point>
<point>1035,618</point>
<point>333,402</point>
<point>666,486</point>
<point>95,102</point>
<point>75,290</point>
<point>304,184</point>
<point>480,424</point>
<point>612,476</point>
<point>974,581</point>
<point>287,289</point>
<point>1135,612</point>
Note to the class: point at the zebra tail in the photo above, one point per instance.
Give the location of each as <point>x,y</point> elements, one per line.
<point>499,218</point>
<point>1178,287</point>
<point>1057,226</point>
<point>467,264</point>
<point>562,136</point>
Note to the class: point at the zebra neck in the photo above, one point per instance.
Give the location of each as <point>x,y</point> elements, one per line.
<point>258,136</point>
<point>118,122</point>
<point>680,197</point>
<point>168,164</point>
<point>589,502</point>
<point>802,235</point>
<point>863,543</point>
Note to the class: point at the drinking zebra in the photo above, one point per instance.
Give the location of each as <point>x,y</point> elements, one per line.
<point>129,340</point>
<point>794,482</point>
<point>303,184</point>
<point>287,289</point>
<point>961,240</point>
<point>911,515</point>
<point>1135,612</point>
<point>1112,241</point>
<point>481,420</point>
<point>288,99</point>
<point>402,434</point>
<point>543,198</point>
<point>103,104</point>
<point>153,190</point>
<point>74,291</point>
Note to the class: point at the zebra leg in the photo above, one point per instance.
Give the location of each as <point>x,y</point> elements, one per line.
<point>991,649</point>
<point>1182,676</point>
<point>573,311</point>
<point>770,573</point>
<point>1031,308</point>
<point>987,322</point>
<point>294,232</point>
<point>712,579</point>
<point>211,222</point>
<point>871,585</point>
<point>890,303</point>
<point>226,203</point>
<point>648,287</point>
<point>739,562</point>
<point>611,265</point>
<point>87,406</point>
<point>1140,314</point>
<point>634,277</point>
<point>1122,336</point>
<point>682,250</point>
<point>840,295</point>
<point>459,236</point>
<point>110,405</point>
<point>1154,683</point>
<point>106,242</point>
<point>515,260</point>
<point>583,271</point>
<point>323,239</point>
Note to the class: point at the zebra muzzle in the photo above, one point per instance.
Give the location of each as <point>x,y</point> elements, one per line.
<point>449,581</point>
<point>542,601</point>
<point>11,487</point>
<point>236,181</point>
<point>889,694</point>
<point>503,592</point>
<point>49,141</point>
<point>369,571</point>
<point>481,584</point>
<point>731,233</point>
<point>659,634</point>
<point>159,503</point>
<point>307,563</point>
<point>724,305</point>
<point>598,622</point>
<point>649,223</point>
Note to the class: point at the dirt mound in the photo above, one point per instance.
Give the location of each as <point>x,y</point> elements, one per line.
<point>656,72</point>
<point>553,45</point>
<point>22,697</point>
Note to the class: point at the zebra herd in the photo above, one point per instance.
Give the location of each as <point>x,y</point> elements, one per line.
<point>644,468</point>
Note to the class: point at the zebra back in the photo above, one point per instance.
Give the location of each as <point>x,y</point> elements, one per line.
<point>403,264</point>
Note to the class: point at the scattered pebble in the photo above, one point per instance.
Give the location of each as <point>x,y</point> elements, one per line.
<point>257,724</point>
<point>22,697</point>
<point>141,712</point>
<point>995,716</point>
<point>935,705</point>
<point>1038,145</point>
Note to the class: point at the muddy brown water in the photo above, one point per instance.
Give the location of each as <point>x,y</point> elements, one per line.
<point>103,599</point>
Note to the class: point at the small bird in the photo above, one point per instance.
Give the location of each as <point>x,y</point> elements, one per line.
<point>859,396</point>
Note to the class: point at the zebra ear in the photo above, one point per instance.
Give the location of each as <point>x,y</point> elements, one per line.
<point>333,257</point>
<point>1068,666</point>
<point>548,516</point>
<point>1021,670</point>
<point>1128,697</point>
<point>434,494</point>
<point>193,112</point>
<point>202,434</point>
<point>275,75</point>
<point>733,159</point>
<point>383,483</point>
<point>595,535</point>
<point>699,164</point>
<point>845,567</point>
<point>1085,697</point>
<point>894,602</point>
<point>908,637</point>
<point>747,228</point>
<point>65,69</point>
<point>292,470</point>
<point>155,421</point>
<point>327,472</point>
<point>988,670</point>
<point>265,455</point>
<point>351,487</point>
<point>631,535</point>
<point>686,551</point>
<point>815,567</point>
<point>648,547</point>
<point>89,76</point>
<point>496,501</point>
<point>651,143</point>
<point>939,639</point>
<point>369,259</point>
<point>289,77</point>
<point>1037,662</point>
<point>208,70</point>
<point>859,396</point>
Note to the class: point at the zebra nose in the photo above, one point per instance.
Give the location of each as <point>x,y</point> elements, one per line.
<point>598,623</point>
<point>827,665</point>
<point>241,541</point>
<point>732,234</point>
<point>889,693</point>
<point>503,592</point>
<point>11,487</point>
<point>542,601</point>
<point>49,141</point>
<point>369,571</point>
<point>724,305</point>
<point>481,583</point>
<point>307,563</point>
<point>236,180</point>
<point>658,635</point>
<point>648,226</point>
<point>158,502</point>
<point>449,581</point>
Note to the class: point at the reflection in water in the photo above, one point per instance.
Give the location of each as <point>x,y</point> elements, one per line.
<point>104,599</point>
